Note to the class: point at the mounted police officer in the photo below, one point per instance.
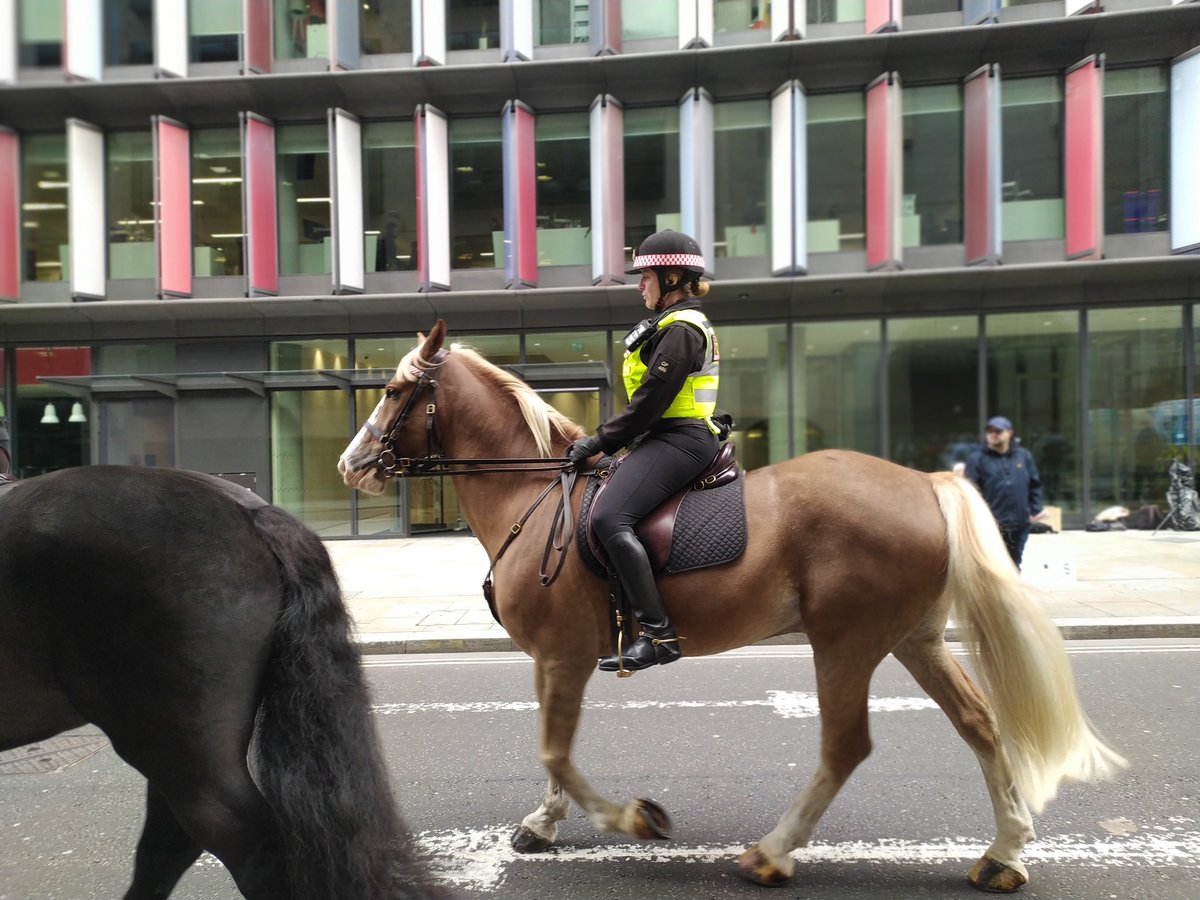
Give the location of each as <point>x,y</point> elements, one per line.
<point>670,375</point>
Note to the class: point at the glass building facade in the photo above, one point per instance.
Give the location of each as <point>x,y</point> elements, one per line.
<point>416,200</point>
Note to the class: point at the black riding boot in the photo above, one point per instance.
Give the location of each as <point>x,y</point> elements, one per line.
<point>657,643</point>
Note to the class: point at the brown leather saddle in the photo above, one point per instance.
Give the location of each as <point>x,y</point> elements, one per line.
<point>657,530</point>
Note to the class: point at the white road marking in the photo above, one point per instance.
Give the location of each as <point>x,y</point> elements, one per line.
<point>788,704</point>
<point>773,651</point>
<point>482,859</point>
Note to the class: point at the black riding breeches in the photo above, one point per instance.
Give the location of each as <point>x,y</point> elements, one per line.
<point>666,462</point>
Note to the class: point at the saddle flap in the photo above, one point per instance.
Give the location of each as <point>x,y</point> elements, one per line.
<point>657,530</point>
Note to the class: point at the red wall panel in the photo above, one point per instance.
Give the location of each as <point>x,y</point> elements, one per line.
<point>173,186</point>
<point>981,148</point>
<point>883,172</point>
<point>257,15</point>
<point>10,215</point>
<point>1084,159</point>
<point>882,15</point>
<point>262,226</point>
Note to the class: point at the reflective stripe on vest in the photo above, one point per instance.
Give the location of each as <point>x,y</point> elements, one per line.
<point>697,399</point>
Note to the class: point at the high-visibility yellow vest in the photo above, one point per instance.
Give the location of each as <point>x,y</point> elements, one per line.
<point>698,397</point>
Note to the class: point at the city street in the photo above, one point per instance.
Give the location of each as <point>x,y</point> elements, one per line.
<point>724,744</point>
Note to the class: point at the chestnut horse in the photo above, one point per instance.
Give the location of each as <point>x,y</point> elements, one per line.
<point>866,557</point>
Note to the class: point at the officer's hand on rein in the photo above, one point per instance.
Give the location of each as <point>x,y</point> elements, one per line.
<point>583,449</point>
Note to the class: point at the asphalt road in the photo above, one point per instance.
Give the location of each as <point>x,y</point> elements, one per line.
<point>724,744</point>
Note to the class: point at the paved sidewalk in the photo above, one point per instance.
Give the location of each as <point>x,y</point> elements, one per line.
<point>420,595</point>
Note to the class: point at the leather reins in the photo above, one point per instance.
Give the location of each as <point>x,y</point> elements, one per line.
<point>435,462</point>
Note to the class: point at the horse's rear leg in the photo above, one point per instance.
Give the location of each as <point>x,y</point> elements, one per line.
<point>560,694</point>
<point>942,677</point>
<point>164,851</point>
<point>842,690</point>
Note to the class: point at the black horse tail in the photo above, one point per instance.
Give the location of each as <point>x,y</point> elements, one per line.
<point>317,754</point>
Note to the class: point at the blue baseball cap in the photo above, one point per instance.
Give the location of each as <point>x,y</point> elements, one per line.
<point>999,422</point>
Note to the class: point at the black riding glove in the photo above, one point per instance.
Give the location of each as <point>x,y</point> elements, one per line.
<point>583,449</point>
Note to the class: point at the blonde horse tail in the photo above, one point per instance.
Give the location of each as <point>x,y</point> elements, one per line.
<point>1018,654</point>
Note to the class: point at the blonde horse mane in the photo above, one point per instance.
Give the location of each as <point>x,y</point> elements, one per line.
<point>542,419</point>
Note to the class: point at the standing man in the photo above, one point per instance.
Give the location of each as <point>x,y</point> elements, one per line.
<point>1007,476</point>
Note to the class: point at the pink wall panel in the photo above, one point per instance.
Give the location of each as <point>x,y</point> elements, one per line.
<point>882,15</point>
<point>422,200</point>
<point>980,145</point>
<point>262,226</point>
<point>10,215</point>
<point>173,159</point>
<point>1084,159</point>
<point>257,14</point>
<point>879,219</point>
<point>526,187</point>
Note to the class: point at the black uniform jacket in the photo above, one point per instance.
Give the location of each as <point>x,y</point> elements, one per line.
<point>1009,483</point>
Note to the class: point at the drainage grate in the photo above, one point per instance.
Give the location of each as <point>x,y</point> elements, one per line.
<point>53,755</point>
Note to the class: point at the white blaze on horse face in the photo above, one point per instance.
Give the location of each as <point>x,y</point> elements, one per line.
<point>359,447</point>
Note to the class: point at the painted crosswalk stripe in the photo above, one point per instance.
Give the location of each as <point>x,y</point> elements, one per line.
<point>482,859</point>
<point>788,704</point>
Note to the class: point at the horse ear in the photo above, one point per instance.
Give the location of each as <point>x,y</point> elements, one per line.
<point>433,343</point>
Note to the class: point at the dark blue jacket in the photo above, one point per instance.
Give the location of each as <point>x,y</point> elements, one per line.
<point>1009,483</point>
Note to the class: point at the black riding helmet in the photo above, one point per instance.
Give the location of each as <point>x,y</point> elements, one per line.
<point>669,250</point>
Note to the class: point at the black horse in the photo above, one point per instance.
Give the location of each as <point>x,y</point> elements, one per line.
<point>183,615</point>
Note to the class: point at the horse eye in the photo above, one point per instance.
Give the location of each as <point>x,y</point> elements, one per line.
<point>392,393</point>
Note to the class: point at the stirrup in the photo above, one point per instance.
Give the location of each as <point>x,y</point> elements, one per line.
<point>655,642</point>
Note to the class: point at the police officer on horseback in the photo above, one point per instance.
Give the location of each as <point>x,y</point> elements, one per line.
<point>670,374</point>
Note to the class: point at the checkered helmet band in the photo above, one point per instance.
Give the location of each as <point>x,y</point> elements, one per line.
<point>669,261</point>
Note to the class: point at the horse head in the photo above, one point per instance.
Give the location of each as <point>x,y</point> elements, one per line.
<point>382,448</point>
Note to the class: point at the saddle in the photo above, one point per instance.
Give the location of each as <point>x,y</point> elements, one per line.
<point>702,525</point>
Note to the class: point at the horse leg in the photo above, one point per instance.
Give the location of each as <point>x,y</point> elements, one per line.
<point>940,675</point>
<point>843,685</point>
<point>561,697</point>
<point>225,814</point>
<point>164,851</point>
<point>539,829</point>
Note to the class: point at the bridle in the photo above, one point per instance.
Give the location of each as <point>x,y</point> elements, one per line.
<point>435,462</point>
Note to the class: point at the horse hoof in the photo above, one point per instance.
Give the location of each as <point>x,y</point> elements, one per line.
<point>526,840</point>
<point>646,819</point>
<point>756,866</point>
<point>994,877</point>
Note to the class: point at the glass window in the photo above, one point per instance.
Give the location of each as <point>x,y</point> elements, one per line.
<point>44,206</point>
<point>1033,379</point>
<point>933,389</point>
<point>217,201</point>
<point>216,30</point>
<point>741,15</point>
<point>305,209</point>
<point>564,190</point>
<point>476,194</point>
<point>385,26</point>
<point>754,389</point>
<point>137,431</point>
<point>1136,150</point>
<point>130,192</point>
<point>389,196</point>
<point>649,19</point>
<point>50,427</point>
<point>41,31</point>
<point>837,193</point>
<point>301,31</point>
<point>651,173</point>
<point>821,12</point>
<point>472,24</point>
<point>742,154</point>
<point>1031,125</point>
<point>836,367</point>
<point>308,433</point>
<point>128,32</point>
<point>560,22</point>
<point>933,157</point>
<point>1135,399</point>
